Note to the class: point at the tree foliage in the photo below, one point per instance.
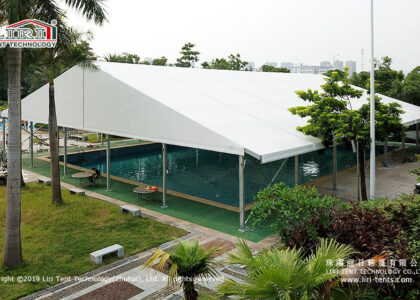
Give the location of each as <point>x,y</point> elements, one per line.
<point>339,72</point>
<point>187,262</point>
<point>127,58</point>
<point>286,273</point>
<point>233,62</point>
<point>387,81</point>
<point>188,56</point>
<point>411,87</point>
<point>269,68</point>
<point>333,117</point>
<point>160,61</point>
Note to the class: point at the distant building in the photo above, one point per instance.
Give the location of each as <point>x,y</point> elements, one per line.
<point>271,63</point>
<point>325,64</point>
<point>287,65</point>
<point>338,65</point>
<point>306,69</point>
<point>351,64</point>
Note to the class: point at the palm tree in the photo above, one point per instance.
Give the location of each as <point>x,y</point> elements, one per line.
<point>12,11</point>
<point>285,273</point>
<point>188,261</point>
<point>66,54</point>
<point>92,10</point>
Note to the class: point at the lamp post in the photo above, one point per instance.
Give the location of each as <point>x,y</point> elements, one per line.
<point>372,110</point>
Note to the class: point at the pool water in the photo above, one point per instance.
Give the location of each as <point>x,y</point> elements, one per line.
<point>207,174</point>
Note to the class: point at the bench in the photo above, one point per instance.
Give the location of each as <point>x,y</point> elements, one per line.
<point>96,256</point>
<point>78,137</point>
<point>417,188</point>
<point>136,212</point>
<point>3,178</point>
<point>76,191</point>
<point>44,181</point>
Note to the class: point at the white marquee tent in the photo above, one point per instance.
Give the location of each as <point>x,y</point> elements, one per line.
<point>226,111</point>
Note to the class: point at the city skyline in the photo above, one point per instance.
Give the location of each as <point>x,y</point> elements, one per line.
<point>338,30</point>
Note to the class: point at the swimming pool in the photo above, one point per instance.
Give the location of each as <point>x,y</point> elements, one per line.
<point>207,174</point>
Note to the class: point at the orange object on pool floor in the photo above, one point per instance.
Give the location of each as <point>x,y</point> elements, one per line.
<point>155,188</point>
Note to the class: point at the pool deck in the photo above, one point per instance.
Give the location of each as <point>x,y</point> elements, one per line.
<point>391,181</point>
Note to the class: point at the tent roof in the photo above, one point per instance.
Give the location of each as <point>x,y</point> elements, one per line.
<point>227,111</point>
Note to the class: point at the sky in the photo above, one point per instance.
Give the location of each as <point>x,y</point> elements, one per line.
<point>298,31</point>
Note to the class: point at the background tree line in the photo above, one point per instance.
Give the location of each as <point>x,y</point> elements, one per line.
<point>388,82</point>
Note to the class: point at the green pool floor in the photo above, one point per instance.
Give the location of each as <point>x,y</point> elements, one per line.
<point>195,212</point>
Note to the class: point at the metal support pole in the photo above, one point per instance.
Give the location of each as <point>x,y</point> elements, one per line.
<point>31,143</point>
<point>65,152</point>
<point>196,158</point>
<point>417,136</point>
<point>386,153</point>
<point>296,169</point>
<point>164,173</point>
<point>358,171</point>
<point>102,139</point>
<point>372,109</point>
<point>403,140</point>
<point>334,166</point>
<point>108,161</point>
<point>241,194</point>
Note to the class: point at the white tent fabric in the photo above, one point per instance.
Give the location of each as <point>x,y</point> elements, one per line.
<point>227,111</point>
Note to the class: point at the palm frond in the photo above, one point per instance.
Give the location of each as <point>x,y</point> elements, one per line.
<point>157,253</point>
<point>91,9</point>
<point>242,254</point>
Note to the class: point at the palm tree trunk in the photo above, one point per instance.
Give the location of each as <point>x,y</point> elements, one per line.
<point>54,151</point>
<point>189,290</point>
<point>362,173</point>
<point>12,246</point>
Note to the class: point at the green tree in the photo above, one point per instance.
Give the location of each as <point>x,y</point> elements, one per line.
<point>339,72</point>
<point>233,62</point>
<point>236,63</point>
<point>189,56</point>
<point>387,81</point>
<point>12,11</point>
<point>360,79</point>
<point>333,118</point>
<point>206,65</point>
<point>127,58</point>
<point>286,273</point>
<point>269,68</point>
<point>411,87</point>
<point>220,64</point>
<point>160,61</point>
<point>188,261</point>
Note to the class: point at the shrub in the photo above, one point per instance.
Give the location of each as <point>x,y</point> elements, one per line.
<point>368,231</point>
<point>287,208</point>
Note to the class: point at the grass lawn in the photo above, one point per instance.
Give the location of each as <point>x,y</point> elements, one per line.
<point>57,240</point>
<point>94,138</point>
